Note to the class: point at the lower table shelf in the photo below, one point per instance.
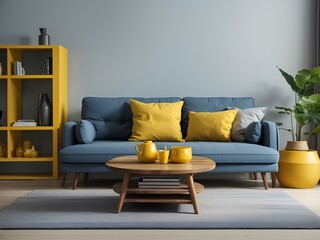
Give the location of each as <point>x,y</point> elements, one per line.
<point>133,188</point>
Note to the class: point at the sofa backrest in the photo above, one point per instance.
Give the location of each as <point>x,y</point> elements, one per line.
<point>112,117</point>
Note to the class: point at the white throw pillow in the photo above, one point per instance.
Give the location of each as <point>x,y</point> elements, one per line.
<point>243,119</point>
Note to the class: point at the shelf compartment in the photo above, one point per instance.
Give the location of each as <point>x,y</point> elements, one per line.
<point>26,169</point>
<point>3,101</point>
<point>33,60</point>
<point>42,140</point>
<point>3,61</point>
<point>23,97</point>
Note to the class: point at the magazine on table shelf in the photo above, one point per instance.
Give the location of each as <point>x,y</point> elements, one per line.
<point>159,182</point>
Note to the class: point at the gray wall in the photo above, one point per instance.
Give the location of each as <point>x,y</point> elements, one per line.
<point>171,47</point>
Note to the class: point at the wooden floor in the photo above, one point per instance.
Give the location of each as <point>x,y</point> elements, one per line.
<point>11,190</point>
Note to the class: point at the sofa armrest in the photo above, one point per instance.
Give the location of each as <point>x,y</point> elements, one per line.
<point>270,136</point>
<point>69,136</point>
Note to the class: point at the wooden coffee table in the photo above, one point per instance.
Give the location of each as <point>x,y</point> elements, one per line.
<point>186,193</point>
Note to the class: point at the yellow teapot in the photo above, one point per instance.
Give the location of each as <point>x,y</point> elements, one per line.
<point>147,151</point>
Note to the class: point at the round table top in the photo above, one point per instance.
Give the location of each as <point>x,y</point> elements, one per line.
<point>131,164</point>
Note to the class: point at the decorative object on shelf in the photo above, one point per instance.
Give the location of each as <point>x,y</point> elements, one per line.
<point>3,149</point>
<point>0,68</point>
<point>31,152</point>
<point>44,38</point>
<point>18,69</point>
<point>147,151</point>
<point>27,144</point>
<point>34,153</point>
<point>27,153</point>
<point>306,110</point>
<point>47,66</point>
<point>44,110</point>
<point>19,151</point>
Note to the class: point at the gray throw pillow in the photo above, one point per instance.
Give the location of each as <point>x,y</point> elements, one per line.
<point>243,119</point>
<point>85,132</point>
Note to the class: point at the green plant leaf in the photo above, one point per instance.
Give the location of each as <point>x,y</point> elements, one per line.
<point>290,81</point>
<point>302,118</point>
<point>307,90</point>
<point>284,110</point>
<point>315,97</point>
<point>315,71</point>
<point>315,79</point>
<point>302,78</point>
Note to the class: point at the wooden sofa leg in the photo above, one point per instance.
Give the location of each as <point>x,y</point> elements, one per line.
<point>274,179</point>
<point>255,176</point>
<point>64,177</point>
<point>75,180</point>
<point>265,181</point>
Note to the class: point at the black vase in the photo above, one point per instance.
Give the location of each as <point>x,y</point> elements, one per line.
<point>44,38</point>
<point>44,110</point>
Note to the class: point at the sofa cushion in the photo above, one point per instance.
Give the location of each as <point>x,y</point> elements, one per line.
<point>210,126</point>
<point>243,119</point>
<point>221,152</point>
<point>85,132</point>
<point>211,104</point>
<point>253,132</point>
<point>112,117</point>
<point>156,121</point>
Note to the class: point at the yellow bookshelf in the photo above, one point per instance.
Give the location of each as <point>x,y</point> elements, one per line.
<point>18,100</point>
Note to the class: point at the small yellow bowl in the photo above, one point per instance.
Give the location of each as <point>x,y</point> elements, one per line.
<point>180,154</point>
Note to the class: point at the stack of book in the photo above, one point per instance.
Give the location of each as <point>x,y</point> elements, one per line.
<point>159,182</point>
<point>24,123</point>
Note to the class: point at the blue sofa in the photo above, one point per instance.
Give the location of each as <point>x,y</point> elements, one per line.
<point>112,120</point>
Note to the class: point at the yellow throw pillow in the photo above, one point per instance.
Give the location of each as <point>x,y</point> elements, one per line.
<point>156,121</point>
<point>210,126</point>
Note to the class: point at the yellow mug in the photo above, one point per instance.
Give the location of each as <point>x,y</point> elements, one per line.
<point>163,156</point>
<point>180,154</point>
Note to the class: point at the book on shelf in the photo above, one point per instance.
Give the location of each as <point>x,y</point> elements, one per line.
<point>25,120</point>
<point>24,124</point>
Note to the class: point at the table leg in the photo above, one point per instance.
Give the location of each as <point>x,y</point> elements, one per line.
<point>193,193</point>
<point>123,193</point>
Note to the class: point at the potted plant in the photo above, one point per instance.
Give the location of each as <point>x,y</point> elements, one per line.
<point>306,110</point>
<point>301,169</point>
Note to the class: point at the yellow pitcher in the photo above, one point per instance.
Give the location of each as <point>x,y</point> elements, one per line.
<point>147,151</point>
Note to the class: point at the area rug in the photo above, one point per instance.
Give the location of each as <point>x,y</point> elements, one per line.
<point>219,209</point>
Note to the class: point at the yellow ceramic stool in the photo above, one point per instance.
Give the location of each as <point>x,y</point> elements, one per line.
<point>298,169</point>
